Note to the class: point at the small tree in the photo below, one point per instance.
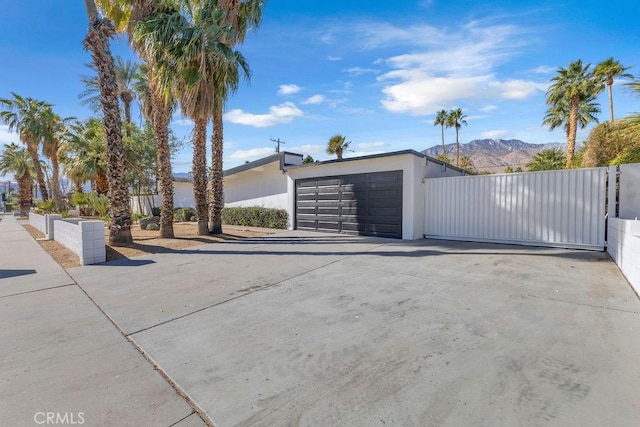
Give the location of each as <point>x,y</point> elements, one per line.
<point>307,159</point>
<point>15,159</point>
<point>455,119</point>
<point>549,159</point>
<point>337,145</point>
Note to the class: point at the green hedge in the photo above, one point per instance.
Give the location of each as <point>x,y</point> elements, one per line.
<point>256,216</point>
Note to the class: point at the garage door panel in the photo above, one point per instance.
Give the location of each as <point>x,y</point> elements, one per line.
<point>327,182</point>
<point>329,196</point>
<point>369,203</point>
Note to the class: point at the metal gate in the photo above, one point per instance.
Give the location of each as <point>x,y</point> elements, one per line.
<point>553,208</point>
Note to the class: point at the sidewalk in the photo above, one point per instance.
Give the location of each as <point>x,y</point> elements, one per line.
<point>60,354</point>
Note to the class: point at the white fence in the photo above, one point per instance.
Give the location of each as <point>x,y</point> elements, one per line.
<point>555,208</point>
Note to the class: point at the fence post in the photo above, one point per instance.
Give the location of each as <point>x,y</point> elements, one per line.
<point>612,199</point>
<point>48,225</point>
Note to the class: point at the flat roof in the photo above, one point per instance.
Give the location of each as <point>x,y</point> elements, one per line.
<point>381,155</point>
<point>261,162</point>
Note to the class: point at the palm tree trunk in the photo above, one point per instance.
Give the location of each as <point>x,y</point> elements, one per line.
<point>97,41</point>
<point>217,176</point>
<point>444,154</point>
<point>609,87</point>
<point>55,183</point>
<point>200,174</point>
<point>24,194</point>
<point>163,159</point>
<point>572,131</point>
<point>42,186</point>
<point>457,149</point>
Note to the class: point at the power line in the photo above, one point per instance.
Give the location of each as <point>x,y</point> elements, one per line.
<point>277,141</point>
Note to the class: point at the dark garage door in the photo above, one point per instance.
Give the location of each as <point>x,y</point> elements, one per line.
<point>367,203</point>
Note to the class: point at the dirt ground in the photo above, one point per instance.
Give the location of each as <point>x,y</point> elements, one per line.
<point>145,242</point>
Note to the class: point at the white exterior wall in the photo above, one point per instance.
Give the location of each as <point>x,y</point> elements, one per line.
<point>623,244</point>
<point>182,195</point>
<point>264,186</point>
<point>413,171</point>
<point>435,170</point>
<point>182,198</point>
<point>630,191</point>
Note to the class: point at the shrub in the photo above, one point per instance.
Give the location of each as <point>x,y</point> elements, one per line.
<point>79,199</point>
<point>135,216</point>
<point>155,211</point>
<point>99,203</point>
<point>255,216</point>
<point>45,206</point>
<point>153,226</point>
<point>184,214</point>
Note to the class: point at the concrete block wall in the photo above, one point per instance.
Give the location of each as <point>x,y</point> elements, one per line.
<point>44,223</point>
<point>84,238</point>
<point>623,244</point>
<point>38,222</point>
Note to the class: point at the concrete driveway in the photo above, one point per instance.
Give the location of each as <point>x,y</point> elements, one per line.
<point>324,329</point>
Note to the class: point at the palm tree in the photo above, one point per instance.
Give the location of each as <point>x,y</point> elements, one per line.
<point>242,16</point>
<point>24,115</point>
<point>97,41</point>
<point>187,45</point>
<point>634,88</point>
<point>125,75</point>
<point>15,159</point>
<point>54,129</point>
<point>573,86</point>
<point>83,155</point>
<point>558,114</point>
<point>441,119</point>
<point>128,15</point>
<point>549,159</point>
<point>337,145</point>
<point>455,119</point>
<point>608,70</point>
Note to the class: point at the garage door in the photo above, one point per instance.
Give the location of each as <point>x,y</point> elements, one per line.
<point>367,203</point>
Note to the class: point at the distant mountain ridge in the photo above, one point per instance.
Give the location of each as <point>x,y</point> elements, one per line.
<point>494,155</point>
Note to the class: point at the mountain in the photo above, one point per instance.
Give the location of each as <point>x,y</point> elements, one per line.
<point>494,155</point>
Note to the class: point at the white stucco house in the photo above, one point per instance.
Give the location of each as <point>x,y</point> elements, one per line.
<point>379,195</point>
<point>182,197</point>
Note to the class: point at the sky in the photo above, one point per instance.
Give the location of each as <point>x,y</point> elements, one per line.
<point>374,71</point>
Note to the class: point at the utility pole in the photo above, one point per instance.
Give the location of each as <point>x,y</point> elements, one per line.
<point>277,141</point>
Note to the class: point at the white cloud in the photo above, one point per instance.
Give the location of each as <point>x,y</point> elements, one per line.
<point>252,154</point>
<point>543,69</point>
<point>365,145</point>
<point>278,114</point>
<point>518,89</point>
<point>358,71</point>
<point>488,108</point>
<point>182,122</point>
<point>450,67</point>
<point>495,134</point>
<point>7,137</point>
<point>289,89</point>
<point>315,99</point>
<point>334,58</point>
<point>308,149</point>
